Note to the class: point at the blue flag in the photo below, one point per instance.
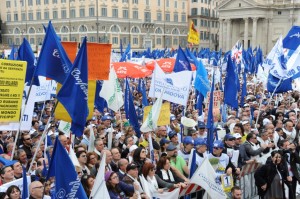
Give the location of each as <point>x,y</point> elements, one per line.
<point>292,39</point>
<point>201,80</point>
<point>53,61</point>
<point>25,184</point>
<point>25,54</point>
<point>182,62</point>
<point>278,86</point>
<point>244,89</point>
<point>126,55</point>
<point>13,53</point>
<point>193,164</point>
<point>210,117</point>
<point>67,182</point>
<point>200,99</point>
<point>74,92</point>
<point>100,102</point>
<point>6,162</point>
<point>230,86</point>
<point>130,110</point>
<point>142,89</point>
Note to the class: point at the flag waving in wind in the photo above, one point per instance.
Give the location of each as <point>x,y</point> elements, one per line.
<point>53,61</point>
<point>210,117</point>
<point>67,182</point>
<point>230,87</point>
<point>111,91</point>
<point>182,62</point>
<point>74,92</point>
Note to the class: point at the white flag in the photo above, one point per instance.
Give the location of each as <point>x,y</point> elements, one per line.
<point>292,64</point>
<point>111,91</point>
<point>167,195</point>
<point>205,177</point>
<point>73,157</point>
<point>99,189</point>
<point>92,139</point>
<point>150,123</point>
<point>237,52</point>
<point>176,86</point>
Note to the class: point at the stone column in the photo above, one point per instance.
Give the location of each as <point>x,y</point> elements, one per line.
<point>221,34</point>
<point>270,35</point>
<point>246,33</point>
<point>228,35</point>
<point>254,31</point>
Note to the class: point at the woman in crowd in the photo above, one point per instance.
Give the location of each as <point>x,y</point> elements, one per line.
<point>270,178</point>
<point>92,159</point>
<point>117,188</point>
<point>139,158</point>
<point>129,132</point>
<point>238,128</point>
<point>87,182</point>
<point>13,192</point>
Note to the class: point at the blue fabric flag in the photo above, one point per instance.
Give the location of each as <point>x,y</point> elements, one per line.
<point>67,182</point>
<point>6,162</point>
<point>210,117</point>
<point>143,91</point>
<point>244,89</point>
<point>200,99</point>
<point>130,110</point>
<point>182,62</point>
<point>13,53</point>
<point>25,184</point>
<point>53,61</point>
<point>100,102</point>
<point>278,86</point>
<point>201,80</point>
<point>292,39</point>
<point>126,54</point>
<point>230,87</point>
<point>25,54</point>
<point>193,164</point>
<point>73,94</point>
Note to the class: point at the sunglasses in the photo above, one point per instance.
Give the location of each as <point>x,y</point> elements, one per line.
<point>28,139</point>
<point>217,148</point>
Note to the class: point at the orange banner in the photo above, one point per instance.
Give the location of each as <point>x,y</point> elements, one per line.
<point>71,49</point>
<point>98,61</point>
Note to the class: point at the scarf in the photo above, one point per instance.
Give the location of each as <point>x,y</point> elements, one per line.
<point>165,175</point>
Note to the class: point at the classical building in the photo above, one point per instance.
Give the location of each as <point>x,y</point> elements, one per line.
<point>205,17</point>
<point>256,22</point>
<point>143,23</point>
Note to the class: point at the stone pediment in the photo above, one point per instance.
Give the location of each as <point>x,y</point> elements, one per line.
<point>237,4</point>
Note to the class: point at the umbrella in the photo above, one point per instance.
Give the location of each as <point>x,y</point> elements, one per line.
<point>166,64</point>
<point>127,69</point>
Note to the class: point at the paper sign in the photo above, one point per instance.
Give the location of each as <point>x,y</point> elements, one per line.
<point>71,49</point>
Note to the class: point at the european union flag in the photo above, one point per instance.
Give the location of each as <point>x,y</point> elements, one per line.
<point>230,85</point>
<point>182,62</point>
<point>74,92</point>
<point>53,61</point>
<point>210,117</point>
<point>25,54</point>
<point>67,182</point>
<point>292,39</point>
<point>130,110</point>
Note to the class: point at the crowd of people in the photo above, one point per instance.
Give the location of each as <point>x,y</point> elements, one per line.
<point>264,130</point>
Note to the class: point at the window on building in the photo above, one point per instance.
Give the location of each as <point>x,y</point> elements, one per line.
<point>279,12</point>
<point>135,41</point>
<point>46,2</point>
<point>125,14</point>
<point>115,12</point>
<point>158,41</point>
<point>64,29</point>
<point>104,12</point>
<point>7,4</point>
<point>147,16</point>
<point>92,12</point>
<point>167,3</point>
<point>8,17</point>
<point>183,18</point>
<point>167,42</point>
<point>158,16</point>
<point>167,17</point>
<point>194,11</point>
<point>158,2</point>
<point>17,41</point>
<point>23,16</point>
<point>195,1</point>
<point>30,3</point>
<point>63,1</point>
<point>83,28</point>
<point>115,40</point>
<point>175,4</point>
<point>54,1</point>
<point>135,30</point>
<point>82,12</point>
<point>92,39</point>
<point>31,41</point>
<point>46,15</point>
<point>175,17</point>
<point>175,42</point>
<point>212,24</point>
<point>147,2</point>
<point>135,14</point>
<point>158,31</point>
<point>124,40</point>
<point>115,28</point>
<point>63,14</point>
<point>38,15</point>
<point>55,14</point>
<point>73,13</point>
<point>124,1</point>
<point>31,30</point>
<point>30,16</point>
<point>195,22</point>
<point>183,5</point>
<point>202,11</point>
<point>135,1</point>
<point>10,41</point>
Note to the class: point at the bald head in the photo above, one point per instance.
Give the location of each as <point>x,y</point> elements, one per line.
<point>36,189</point>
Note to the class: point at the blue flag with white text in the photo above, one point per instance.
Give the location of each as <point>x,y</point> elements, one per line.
<point>74,92</point>
<point>201,80</point>
<point>292,39</point>
<point>25,53</point>
<point>230,85</point>
<point>67,182</point>
<point>182,62</point>
<point>53,61</point>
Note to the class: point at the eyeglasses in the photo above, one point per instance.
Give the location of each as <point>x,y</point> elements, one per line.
<point>40,187</point>
<point>217,148</point>
<point>27,139</point>
<point>114,177</point>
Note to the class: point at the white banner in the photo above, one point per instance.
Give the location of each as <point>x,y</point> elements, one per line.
<point>176,86</point>
<point>18,183</point>
<point>64,127</point>
<point>44,91</point>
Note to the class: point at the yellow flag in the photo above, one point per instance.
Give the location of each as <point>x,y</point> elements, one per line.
<point>62,114</point>
<point>193,36</point>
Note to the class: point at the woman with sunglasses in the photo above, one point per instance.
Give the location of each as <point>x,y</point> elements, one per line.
<point>139,158</point>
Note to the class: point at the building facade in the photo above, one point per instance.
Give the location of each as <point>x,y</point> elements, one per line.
<point>205,17</point>
<point>143,23</point>
<point>256,22</point>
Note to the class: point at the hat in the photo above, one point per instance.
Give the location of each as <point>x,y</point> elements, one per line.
<point>172,118</point>
<point>107,175</point>
<point>229,136</point>
<point>132,148</point>
<point>188,122</point>
<point>34,114</point>
<point>94,118</point>
<point>172,134</point>
<point>230,116</point>
<point>199,141</point>
<point>41,128</point>
<point>106,117</point>
<point>131,166</point>
<point>266,121</point>
<point>45,116</point>
<point>171,147</point>
<point>188,140</point>
<point>237,135</point>
<point>119,135</point>
<point>34,135</point>
<point>245,122</point>
<point>201,125</point>
<point>218,144</point>
<point>163,141</point>
<point>246,105</point>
